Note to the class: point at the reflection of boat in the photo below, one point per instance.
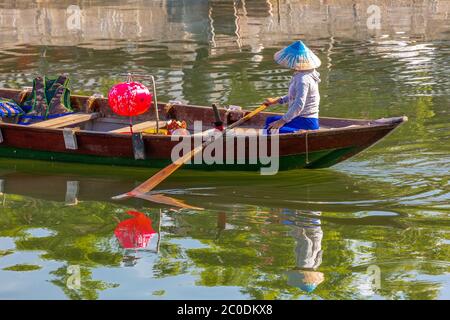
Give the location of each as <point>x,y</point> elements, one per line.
<point>94,135</point>
<point>310,190</point>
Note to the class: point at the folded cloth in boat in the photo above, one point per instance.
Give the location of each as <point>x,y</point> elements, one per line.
<point>9,108</point>
<point>50,98</point>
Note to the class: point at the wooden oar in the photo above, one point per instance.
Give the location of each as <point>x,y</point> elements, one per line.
<point>157,178</point>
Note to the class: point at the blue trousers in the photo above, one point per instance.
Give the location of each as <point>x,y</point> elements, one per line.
<point>295,124</point>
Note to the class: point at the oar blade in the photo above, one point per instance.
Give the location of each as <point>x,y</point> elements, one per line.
<point>122,196</point>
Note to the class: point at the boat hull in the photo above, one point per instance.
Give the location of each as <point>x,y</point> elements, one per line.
<point>336,141</point>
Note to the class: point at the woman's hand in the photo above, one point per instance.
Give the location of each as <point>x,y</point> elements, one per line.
<point>276,124</point>
<point>271,101</point>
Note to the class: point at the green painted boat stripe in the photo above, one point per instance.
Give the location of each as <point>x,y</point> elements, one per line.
<point>318,159</point>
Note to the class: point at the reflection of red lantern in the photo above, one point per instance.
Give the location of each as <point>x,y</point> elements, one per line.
<point>129,98</point>
<point>135,232</point>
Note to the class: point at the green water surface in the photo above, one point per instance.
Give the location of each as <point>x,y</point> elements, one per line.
<point>374,227</point>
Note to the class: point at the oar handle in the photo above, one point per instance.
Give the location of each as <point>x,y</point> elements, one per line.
<point>251,114</point>
<point>248,116</point>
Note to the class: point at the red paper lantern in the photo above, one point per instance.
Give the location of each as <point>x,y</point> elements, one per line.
<point>129,98</point>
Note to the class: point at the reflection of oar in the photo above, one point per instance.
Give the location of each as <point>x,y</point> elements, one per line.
<point>160,176</point>
<point>160,198</point>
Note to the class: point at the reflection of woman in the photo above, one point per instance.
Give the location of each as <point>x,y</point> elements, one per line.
<point>308,252</point>
<point>303,97</point>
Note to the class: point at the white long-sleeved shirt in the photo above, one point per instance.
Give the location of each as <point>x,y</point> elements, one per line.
<point>303,96</point>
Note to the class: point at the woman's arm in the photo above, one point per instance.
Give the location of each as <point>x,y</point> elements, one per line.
<point>296,107</point>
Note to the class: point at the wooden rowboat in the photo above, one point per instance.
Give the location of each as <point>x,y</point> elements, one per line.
<point>94,135</point>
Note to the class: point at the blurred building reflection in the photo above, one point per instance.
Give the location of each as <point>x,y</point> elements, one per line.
<point>226,24</point>
<point>207,50</point>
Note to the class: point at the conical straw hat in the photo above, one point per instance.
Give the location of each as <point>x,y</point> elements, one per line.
<point>297,56</point>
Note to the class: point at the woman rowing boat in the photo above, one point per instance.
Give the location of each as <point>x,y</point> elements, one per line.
<point>303,97</point>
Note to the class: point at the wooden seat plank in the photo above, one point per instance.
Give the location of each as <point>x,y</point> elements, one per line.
<point>139,127</point>
<point>66,120</point>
